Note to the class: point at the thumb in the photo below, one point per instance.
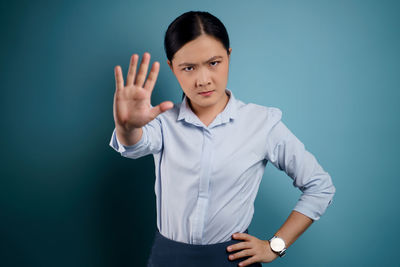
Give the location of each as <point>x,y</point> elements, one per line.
<point>160,108</point>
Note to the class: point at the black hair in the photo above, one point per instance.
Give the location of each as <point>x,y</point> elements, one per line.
<point>188,27</point>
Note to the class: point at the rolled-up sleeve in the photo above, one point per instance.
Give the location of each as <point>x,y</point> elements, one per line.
<point>149,143</point>
<point>286,152</point>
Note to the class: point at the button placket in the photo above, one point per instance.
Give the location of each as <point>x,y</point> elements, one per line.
<point>204,183</point>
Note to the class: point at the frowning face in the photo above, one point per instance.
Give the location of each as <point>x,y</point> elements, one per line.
<point>201,67</point>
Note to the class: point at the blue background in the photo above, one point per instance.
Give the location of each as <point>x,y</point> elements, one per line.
<point>68,199</point>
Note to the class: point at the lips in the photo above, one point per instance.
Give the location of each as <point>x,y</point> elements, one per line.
<point>206,93</point>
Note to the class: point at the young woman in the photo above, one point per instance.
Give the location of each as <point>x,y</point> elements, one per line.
<point>210,152</point>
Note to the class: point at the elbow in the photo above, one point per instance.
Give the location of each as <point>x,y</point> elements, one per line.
<point>331,191</point>
<point>321,187</point>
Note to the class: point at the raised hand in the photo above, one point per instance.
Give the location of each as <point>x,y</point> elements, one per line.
<point>131,106</point>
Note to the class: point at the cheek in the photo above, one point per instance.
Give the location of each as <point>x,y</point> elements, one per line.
<point>181,78</point>
<point>223,73</point>
<point>185,81</point>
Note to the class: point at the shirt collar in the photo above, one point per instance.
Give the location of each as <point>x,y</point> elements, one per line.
<point>230,111</point>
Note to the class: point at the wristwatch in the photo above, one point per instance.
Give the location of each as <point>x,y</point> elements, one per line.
<point>278,245</point>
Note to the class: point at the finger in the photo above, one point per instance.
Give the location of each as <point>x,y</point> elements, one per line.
<point>119,80</point>
<point>164,106</point>
<point>242,236</point>
<point>132,69</point>
<point>151,80</point>
<point>248,262</point>
<point>241,254</point>
<point>238,246</point>
<point>144,65</point>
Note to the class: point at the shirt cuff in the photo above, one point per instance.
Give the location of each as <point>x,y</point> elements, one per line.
<point>314,205</point>
<point>117,146</point>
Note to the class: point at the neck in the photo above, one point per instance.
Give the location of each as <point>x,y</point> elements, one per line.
<point>209,113</point>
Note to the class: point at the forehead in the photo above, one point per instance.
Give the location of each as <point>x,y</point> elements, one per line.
<point>199,50</point>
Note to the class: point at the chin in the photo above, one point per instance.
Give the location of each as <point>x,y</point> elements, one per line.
<point>204,101</point>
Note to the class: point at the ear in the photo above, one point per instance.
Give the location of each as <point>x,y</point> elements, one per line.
<point>170,65</point>
<point>230,52</point>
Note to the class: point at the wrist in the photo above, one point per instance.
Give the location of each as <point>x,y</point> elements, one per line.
<point>128,137</point>
<point>278,245</point>
<point>270,255</point>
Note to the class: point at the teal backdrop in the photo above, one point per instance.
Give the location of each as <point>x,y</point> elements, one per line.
<point>68,199</point>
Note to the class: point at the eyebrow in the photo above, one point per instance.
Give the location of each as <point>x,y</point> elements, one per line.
<point>193,64</point>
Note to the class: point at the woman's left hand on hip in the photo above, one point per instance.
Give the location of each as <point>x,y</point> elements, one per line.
<point>258,250</point>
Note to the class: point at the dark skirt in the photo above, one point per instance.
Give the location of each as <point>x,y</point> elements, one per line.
<point>171,253</point>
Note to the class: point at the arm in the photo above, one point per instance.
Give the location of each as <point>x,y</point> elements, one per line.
<point>137,129</point>
<point>150,141</point>
<point>285,151</point>
<point>259,250</point>
<point>293,227</point>
<point>129,138</point>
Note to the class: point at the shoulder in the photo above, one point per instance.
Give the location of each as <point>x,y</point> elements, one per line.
<point>268,114</point>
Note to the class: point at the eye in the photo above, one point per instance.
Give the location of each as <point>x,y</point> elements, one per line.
<point>214,62</point>
<point>185,68</point>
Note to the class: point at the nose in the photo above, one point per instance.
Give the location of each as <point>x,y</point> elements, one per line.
<point>203,78</point>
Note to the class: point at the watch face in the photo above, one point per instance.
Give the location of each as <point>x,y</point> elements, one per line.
<point>277,244</point>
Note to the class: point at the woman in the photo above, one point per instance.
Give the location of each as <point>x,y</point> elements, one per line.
<point>210,152</point>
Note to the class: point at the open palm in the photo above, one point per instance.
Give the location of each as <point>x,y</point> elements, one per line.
<point>131,106</point>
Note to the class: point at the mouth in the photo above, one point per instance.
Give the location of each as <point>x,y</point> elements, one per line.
<point>206,93</point>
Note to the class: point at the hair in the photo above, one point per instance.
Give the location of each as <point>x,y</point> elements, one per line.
<point>190,25</point>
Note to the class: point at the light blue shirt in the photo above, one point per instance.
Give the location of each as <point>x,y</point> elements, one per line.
<point>207,178</point>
